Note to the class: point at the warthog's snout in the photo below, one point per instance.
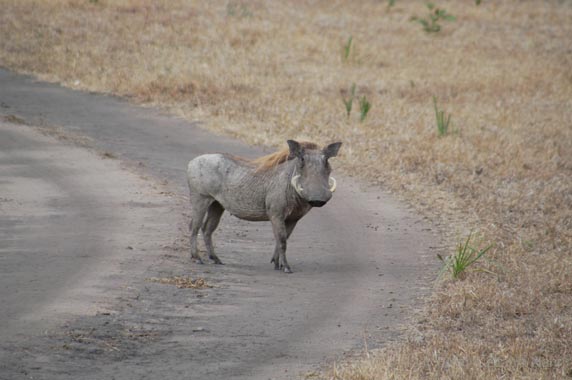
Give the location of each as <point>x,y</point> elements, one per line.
<point>317,203</point>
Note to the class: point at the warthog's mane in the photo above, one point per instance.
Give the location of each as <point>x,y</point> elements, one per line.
<point>272,160</point>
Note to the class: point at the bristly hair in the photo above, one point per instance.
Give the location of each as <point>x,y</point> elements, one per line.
<point>272,160</point>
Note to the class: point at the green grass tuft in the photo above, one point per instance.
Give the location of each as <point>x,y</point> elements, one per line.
<point>350,100</point>
<point>442,122</point>
<point>348,48</point>
<point>430,23</point>
<point>364,107</point>
<point>464,257</point>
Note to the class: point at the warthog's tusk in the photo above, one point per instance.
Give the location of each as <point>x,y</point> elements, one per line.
<point>332,182</point>
<point>296,184</point>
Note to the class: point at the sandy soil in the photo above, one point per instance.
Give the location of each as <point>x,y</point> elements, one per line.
<point>361,262</point>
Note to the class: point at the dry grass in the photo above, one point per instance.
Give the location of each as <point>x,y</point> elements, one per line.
<point>181,282</point>
<point>265,71</point>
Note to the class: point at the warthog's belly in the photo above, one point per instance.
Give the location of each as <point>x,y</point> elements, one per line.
<point>251,212</point>
<point>251,217</point>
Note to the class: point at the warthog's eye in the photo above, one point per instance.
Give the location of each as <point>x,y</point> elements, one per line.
<point>301,162</point>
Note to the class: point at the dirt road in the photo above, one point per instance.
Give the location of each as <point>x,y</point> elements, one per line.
<point>360,262</point>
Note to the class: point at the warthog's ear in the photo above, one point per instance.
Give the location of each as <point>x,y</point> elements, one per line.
<point>332,150</point>
<point>296,150</point>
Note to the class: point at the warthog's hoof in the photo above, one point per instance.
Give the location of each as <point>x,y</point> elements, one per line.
<point>277,266</point>
<point>197,260</point>
<point>286,268</point>
<point>216,260</point>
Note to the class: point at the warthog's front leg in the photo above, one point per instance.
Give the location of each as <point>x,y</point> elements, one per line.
<point>282,230</point>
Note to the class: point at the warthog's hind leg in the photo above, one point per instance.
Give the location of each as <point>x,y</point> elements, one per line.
<point>199,206</point>
<point>214,214</point>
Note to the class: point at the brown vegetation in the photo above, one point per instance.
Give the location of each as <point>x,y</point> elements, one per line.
<point>268,71</point>
<point>181,282</point>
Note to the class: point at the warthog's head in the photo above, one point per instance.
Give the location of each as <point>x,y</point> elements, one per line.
<point>311,178</point>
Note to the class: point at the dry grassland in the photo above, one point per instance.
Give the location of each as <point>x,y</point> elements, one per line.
<point>264,71</point>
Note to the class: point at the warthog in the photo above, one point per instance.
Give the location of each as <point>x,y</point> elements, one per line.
<point>281,188</point>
